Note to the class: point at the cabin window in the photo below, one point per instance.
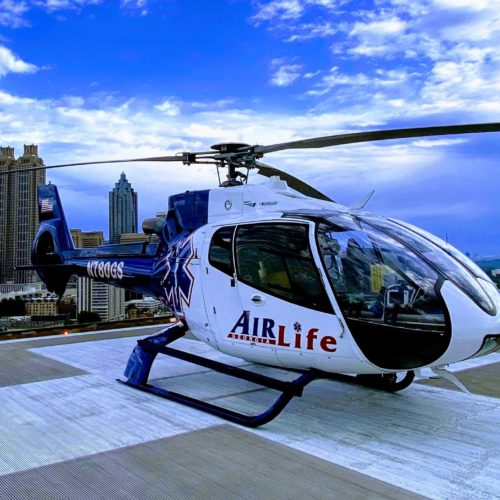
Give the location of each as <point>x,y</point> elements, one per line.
<point>276,258</point>
<point>220,254</point>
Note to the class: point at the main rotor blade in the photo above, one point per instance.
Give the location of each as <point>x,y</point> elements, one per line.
<point>292,181</point>
<point>182,157</point>
<point>379,135</point>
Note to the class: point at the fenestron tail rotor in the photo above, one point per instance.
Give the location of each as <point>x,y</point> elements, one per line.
<point>235,156</point>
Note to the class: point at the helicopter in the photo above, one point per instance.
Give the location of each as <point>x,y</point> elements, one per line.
<point>279,274</point>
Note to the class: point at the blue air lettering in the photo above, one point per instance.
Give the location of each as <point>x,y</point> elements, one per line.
<point>243,323</point>
<point>105,269</point>
<point>265,332</point>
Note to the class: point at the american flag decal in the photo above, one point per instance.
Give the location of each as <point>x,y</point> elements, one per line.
<point>46,205</point>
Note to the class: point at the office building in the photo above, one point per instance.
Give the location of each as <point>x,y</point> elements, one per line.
<point>122,209</point>
<point>87,239</point>
<point>101,298</point>
<point>106,300</point>
<point>42,306</point>
<point>18,212</point>
<point>84,239</point>
<point>133,238</point>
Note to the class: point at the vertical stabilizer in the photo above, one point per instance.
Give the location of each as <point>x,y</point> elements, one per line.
<point>53,243</point>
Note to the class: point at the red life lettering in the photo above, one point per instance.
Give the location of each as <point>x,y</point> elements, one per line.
<point>326,342</point>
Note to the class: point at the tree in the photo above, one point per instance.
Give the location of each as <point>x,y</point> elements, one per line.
<point>12,307</point>
<point>88,317</point>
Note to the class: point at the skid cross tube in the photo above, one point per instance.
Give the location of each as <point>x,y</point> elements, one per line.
<point>141,360</point>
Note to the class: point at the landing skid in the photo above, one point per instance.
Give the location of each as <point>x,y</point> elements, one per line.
<point>143,355</point>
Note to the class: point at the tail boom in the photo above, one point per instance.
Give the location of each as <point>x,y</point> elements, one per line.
<point>137,267</point>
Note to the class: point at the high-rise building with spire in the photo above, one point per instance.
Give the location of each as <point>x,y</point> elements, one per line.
<point>122,209</point>
<point>18,212</point>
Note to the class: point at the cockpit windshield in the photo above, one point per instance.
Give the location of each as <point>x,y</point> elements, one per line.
<point>449,262</point>
<point>377,276</point>
<point>388,294</point>
<point>449,249</point>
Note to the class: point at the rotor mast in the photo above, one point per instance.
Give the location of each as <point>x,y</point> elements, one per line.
<point>233,155</point>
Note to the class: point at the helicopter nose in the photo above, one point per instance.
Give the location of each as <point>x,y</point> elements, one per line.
<point>491,342</point>
<point>474,332</point>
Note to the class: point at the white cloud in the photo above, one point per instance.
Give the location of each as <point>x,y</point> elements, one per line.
<point>71,133</point>
<point>433,143</point>
<point>138,6</point>
<point>73,101</point>
<point>11,13</point>
<point>10,63</point>
<point>53,5</point>
<point>71,130</point>
<point>169,107</point>
<point>281,9</point>
<point>311,74</point>
<point>285,75</point>
<point>11,100</point>
<point>441,66</point>
<point>378,29</point>
<point>309,31</point>
<point>220,103</point>
<point>289,9</point>
<point>462,85</point>
<point>477,5</point>
<point>377,37</point>
<point>381,78</point>
<point>430,58</point>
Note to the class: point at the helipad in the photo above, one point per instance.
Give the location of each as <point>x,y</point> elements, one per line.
<point>69,430</point>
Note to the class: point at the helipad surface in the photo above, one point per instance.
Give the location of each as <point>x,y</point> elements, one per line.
<point>69,430</point>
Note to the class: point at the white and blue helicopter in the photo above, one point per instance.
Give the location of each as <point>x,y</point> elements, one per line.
<point>279,274</point>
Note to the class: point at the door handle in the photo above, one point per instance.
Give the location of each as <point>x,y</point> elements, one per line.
<point>257,300</point>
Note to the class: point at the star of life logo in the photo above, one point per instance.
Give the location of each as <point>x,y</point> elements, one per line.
<point>179,281</point>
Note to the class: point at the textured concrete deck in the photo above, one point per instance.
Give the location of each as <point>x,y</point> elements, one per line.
<point>86,436</point>
<point>218,462</point>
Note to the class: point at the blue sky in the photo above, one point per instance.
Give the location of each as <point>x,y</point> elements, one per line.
<point>95,79</point>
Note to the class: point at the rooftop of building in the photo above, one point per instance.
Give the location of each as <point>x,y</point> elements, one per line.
<point>73,431</point>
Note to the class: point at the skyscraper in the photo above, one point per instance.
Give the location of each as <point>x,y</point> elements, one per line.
<point>122,209</point>
<point>18,212</point>
<point>106,300</point>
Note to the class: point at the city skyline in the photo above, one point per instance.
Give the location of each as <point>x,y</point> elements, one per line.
<point>153,78</point>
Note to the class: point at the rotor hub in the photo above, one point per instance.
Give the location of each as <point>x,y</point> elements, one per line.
<point>230,147</point>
